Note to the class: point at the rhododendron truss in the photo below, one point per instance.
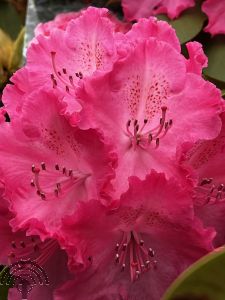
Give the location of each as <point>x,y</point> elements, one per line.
<point>98,162</point>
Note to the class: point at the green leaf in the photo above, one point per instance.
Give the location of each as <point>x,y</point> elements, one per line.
<point>189,24</point>
<point>10,21</point>
<point>204,280</point>
<point>5,283</point>
<point>17,50</point>
<point>215,50</point>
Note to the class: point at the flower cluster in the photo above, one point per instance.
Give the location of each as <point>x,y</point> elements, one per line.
<point>111,164</point>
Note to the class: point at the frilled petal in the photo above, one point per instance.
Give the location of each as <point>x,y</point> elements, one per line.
<point>152,236</point>
<point>197,58</point>
<point>214,9</point>
<point>147,28</point>
<point>196,115</point>
<point>134,10</point>
<point>173,8</point>
<point>14,94</point>
<point>48,165</point>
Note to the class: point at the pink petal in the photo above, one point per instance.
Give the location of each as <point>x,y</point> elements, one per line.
<point>44,136</point>
<point>154,210</point>
<point>147,28</point>
<point>214,9</point>
<point>14,94</point>
<point>173,8</point>
<point>198,111</point>
<point>197,58</point>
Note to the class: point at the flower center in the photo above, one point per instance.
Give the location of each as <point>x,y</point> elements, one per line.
<point>62,75</point>
<point>143,135</point>
<point>55,183</point>
<point>211,192</point>
<point>132,251</point>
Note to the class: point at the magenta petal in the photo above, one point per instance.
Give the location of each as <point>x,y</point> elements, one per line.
<point>197,58</point>
<point>214,9</point>
<point>147,28</point>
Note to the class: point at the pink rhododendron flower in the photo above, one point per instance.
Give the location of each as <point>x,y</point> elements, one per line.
<point>147,107</point>
<point>48,165</point>
<point>16,246</point>
<point>86,46</point>
<point>136,250</point>
<point>206,159</point>
<point>133,10</point>
<point>214,9</point>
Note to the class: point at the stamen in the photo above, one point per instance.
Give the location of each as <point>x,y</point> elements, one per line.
<point>69,84</point>
<point>139,256</point>
<point>143,138</point>
<point>64,180</point>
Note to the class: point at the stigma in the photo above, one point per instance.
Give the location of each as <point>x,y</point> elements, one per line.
<point>144,135</point>
<point>132,254</point>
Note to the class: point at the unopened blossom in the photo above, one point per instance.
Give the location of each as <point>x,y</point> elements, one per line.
<point>134,10</point>
<point>48,166</point>
<point>85,48</point>
<point>19,245</point>
<point>205,163</point>
<point>214,9</point>
<point>146,105</point>
<point>136,250</point>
